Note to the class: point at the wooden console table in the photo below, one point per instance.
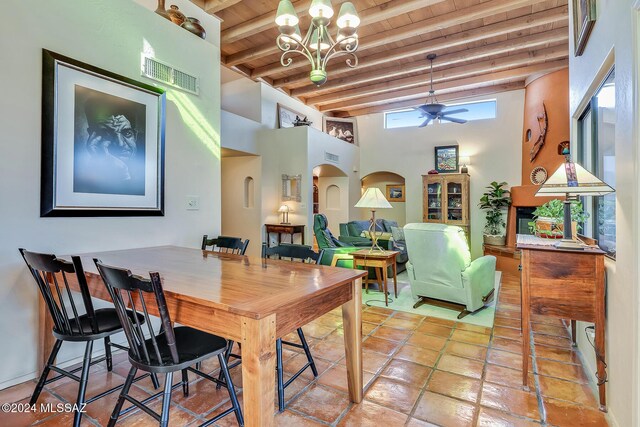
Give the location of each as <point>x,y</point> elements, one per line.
<point>568,284</point>
<point>281,229</point>
<point>378,260</point>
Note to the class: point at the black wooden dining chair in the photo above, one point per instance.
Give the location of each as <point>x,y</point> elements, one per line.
<point>225,244</point>
<point>171,350</point>
<point>75,321</point>
<point>299,253</point>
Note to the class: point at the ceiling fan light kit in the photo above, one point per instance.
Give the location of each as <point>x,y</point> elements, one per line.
<point>433,110</point>
<point>318,46</point>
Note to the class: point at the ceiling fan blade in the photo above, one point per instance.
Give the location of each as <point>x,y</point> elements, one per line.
<point>426,122</point>
<point>459,110</point>
<point>453,119</point>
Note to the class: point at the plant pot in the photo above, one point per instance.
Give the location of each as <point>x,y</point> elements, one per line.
<point>551,228</point>
<point>494,240</point>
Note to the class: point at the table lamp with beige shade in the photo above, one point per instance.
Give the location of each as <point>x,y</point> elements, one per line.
<point>284,210</point>
<point>572,181</point>
<point>373,199</point>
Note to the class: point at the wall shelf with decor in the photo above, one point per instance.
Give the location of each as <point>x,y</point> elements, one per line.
<point>446,199</point>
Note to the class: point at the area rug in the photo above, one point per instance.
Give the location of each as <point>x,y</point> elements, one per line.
<point>405,302</point>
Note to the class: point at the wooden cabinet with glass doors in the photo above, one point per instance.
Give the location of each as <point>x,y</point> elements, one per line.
<point>446,199</point>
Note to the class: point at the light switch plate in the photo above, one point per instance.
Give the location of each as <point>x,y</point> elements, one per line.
<point>193,203</point>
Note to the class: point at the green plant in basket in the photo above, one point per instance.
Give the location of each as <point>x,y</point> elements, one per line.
<point>549,218</point>
<point>495,200</point>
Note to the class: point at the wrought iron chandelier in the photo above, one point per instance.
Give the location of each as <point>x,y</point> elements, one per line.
<point>318,46</point>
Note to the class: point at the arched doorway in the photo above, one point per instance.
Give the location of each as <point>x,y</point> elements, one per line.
<point>331,185</point>
<point>392,186</point>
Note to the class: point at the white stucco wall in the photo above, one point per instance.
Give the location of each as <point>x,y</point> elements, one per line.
<point>615,40</point>
<point>495,148</point>
<point>110,34</point>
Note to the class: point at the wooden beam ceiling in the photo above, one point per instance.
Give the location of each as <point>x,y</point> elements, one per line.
<point>482,46</point>
<point>368,17</point>
<point>526,43</point>
<point>559,14</point>
<point>459,84</point>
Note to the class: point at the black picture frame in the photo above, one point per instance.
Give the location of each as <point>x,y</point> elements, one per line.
<point>584,18</point>
<point>445,155</point>
<point>102,142</point>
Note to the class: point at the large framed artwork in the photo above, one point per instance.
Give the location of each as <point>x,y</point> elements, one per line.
<point>344,129</point>
<point>584,18</point>
<point>102,142</point>
<point>447,159</point>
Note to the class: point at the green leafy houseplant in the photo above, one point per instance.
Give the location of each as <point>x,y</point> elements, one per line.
<point>549,218</point>
<point>495,200</point>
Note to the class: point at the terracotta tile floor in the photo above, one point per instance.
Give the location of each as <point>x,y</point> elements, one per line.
<point>418,372</point>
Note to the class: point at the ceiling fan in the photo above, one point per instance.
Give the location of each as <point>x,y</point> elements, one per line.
<point>433,109</point>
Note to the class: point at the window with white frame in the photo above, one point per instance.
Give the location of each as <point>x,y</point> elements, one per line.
<point>597,154</point>
<point>478,110</point>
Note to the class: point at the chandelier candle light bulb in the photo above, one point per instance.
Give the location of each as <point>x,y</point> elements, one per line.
<point>318,46</point>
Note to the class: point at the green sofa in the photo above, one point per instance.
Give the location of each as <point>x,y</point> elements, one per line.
<point>352,230</point>
<point>440,266</point>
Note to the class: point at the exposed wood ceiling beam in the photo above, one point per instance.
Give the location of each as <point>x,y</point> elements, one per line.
<point>461,16</point>
<point>460,84</point>
<point>214,6</point>
<point>448,97</point>
<point>512,45</point>
<point>368,16</point>
<point>451,73</point>
<point>459,39</point>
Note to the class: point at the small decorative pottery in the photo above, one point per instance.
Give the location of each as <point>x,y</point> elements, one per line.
<point>193,26</point>
<point>538,175</point>
<point>175,15</point>
<point>161,10</point>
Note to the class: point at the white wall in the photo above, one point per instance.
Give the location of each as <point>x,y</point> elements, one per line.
<point>333,200</point>
<point>113,35</point>
<point>615,36</point>
<point>495,148</point>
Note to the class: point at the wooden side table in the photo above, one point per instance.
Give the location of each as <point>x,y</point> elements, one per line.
<point>281,229</point>
<point>568,284</point>
<point>378,260</point>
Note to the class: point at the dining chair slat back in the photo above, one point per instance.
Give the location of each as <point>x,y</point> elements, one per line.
<point>225,244</point>
<point>51,276</point>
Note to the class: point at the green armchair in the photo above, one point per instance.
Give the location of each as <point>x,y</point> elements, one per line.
<point>329,245</point>
<point>440,267</point>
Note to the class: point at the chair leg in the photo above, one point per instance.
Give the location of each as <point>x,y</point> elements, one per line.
<point>231,389</point>
<point>279,372</point>
<point>185,382</point>
<point>227,356</point>
<point>305,346</point>
<point>45,372</point>
<point>82,388</point>
<point>154,381</point>
<point>107,353</point>
<point>125,390</point>
<point>166,400</point>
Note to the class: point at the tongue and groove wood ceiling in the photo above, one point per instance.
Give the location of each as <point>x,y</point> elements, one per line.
<point>483,47</point>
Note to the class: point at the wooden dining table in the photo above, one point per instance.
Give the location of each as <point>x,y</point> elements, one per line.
<point>249,300</point>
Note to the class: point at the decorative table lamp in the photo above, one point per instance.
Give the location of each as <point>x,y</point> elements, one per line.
<point>373,199</point>
<point>572,180</point>
<point>284,210</point>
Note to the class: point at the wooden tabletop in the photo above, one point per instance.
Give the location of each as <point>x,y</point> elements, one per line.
<point>248,286</point>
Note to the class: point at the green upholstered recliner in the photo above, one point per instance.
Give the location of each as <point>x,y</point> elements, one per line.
<point>440,266</point>
<point>328,243</point>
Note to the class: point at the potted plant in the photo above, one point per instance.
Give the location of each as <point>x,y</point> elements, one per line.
<point>549,219</point>
<point>495,200</point>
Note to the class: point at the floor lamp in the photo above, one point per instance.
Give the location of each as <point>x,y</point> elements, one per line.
<point>373,199</point>
<point>572,181</point>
